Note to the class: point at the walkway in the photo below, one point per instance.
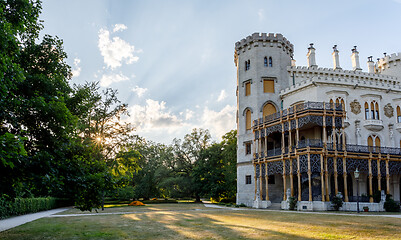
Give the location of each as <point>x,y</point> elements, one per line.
<point>19,220</point>
<point>305,212</point>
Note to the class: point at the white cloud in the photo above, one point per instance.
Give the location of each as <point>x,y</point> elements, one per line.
<point>222,95</point>
<point>119,27</point>
<point>220,122</point>
<point>153,115</point>
<point>115,50</point>
<point>261,14</point>
<point>188,114</point>
<point>139,91</point>
<point>108,79</point>
<point>76,71</point>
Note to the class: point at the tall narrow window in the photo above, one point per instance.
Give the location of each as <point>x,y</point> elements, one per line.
<point>370,141</point>
<point>248,179</point>
<point>247,65</point>
<point>377,111</point>
<point>268,85</point>
<point>270,62</point>
<point>398,114</point>
<point>248,148</point>
<point>366,110</point>
<point>248,120</point>
<point>265,61</point>
<point>372,110</point>
<point>377,142</point>
<point>331,103</point>
<point>247,88</point>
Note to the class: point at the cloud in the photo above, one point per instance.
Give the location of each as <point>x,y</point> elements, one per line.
<point>108,79</point>
<point>188,114</point>
<point>153,115</point>
<point>115,50</point>
<point>76,71</point>
<point>119,27</point>
<point>222,95</point>
<point>261,14</point>
<point>220,122</point>
<point>139,91</point>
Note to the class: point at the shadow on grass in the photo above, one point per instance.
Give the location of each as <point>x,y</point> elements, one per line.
<point>197,225</point>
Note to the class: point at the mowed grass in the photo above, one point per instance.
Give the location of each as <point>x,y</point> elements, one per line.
<point>194,221</point>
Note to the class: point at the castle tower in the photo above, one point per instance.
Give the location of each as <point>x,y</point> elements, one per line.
<point>261,61</point>
<point>390,65</point>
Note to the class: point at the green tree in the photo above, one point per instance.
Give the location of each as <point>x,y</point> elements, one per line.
<point>187,154</point>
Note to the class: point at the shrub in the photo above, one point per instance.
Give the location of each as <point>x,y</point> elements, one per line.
<point>136,203</point>
<point>22,206</point>
<point>337,201</point>
<point>390,205</point>
<point>242,205</point>
<point>292,202</point>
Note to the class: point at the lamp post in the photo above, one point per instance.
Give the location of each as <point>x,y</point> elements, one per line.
<point>356,174</point>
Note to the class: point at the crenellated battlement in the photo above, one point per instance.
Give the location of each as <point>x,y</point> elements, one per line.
<point>330,72</point>
<point>264,39</point>
<point>388,61</point>
<point>304,77</point>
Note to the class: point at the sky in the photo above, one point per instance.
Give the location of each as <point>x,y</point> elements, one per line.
<point>172,61</point>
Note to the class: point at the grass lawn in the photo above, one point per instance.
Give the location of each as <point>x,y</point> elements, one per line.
<point>194,221</point>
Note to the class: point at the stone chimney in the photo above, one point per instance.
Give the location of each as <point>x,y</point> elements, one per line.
<point>311,56</point>
<point>293,62</point>
<point>371,65</point>
<point>336,58</point>
<point>355,60</point>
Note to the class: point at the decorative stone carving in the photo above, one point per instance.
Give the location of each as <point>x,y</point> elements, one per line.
<point>355,107</point>
<point>388,110</point>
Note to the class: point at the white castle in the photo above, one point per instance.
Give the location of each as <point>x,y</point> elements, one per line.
<point>303,132</point>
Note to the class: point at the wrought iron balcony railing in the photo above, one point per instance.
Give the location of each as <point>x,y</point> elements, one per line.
<point>299,108</point>
<point>318,143</point>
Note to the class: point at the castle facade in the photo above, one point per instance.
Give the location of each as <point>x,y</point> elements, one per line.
<point>303,132</point>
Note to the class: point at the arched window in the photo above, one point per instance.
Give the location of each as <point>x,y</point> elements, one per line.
<point>248,120</point>
<point>377,142</point>
<point>249,64</point>
<point>366,110</point>
<point>372,110</point>
<point>398,114</point>
<point>270,62</point>
<point>268,109</point>
<point>370,141</point>
<point>377,111</point>
<point>265,61</point>
<point>374,143</point>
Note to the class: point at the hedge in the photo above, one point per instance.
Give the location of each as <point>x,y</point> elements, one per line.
<point>22,206</point>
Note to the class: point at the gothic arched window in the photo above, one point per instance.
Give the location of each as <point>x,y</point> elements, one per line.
<point>270,62</point>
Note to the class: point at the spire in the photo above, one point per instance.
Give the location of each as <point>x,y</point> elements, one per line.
<point>311,56</point>
<point>336,58</point>
<point>355,60</point>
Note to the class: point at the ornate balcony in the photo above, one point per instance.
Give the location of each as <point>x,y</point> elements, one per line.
<point>318,144</point>
<point>373,125</point>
